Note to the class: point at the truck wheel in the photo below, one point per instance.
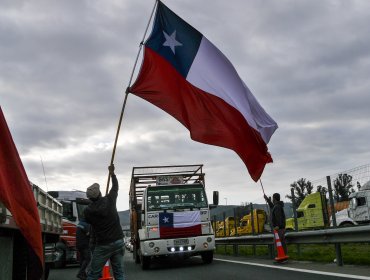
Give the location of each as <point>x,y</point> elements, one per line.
<point>207,257</point>
<point>136,255</point>
<point>46,272</point>
<point>20,256</point>
<point>145,262</point>
<point>61,263</point>
<point>346,224</point>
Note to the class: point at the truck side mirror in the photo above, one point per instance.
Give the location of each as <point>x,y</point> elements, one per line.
<point>215,198</point>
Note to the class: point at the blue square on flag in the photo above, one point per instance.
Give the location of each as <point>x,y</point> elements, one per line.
<point>166,219</point>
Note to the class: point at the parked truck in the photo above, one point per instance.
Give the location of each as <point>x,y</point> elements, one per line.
<point>245,226</point>
<point>13,247</point>
<point>170,214</point>
<point>225,228</point>
<point>359,207</point>
<point>74,203</point>
<point>314,212</point>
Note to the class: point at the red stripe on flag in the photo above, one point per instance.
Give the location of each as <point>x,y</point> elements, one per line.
<point>173,232</point>
<point>209,119</point>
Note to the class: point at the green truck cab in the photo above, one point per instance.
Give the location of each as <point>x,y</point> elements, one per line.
<point>311,213</point>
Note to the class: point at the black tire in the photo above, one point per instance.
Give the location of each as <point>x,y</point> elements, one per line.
<point>207,257</point>
<point>145,262</point>
<point>346,224</point>
<point>62,261</point>
<point>20,258</point>
<point>46,272</point>
<point>136,255</point>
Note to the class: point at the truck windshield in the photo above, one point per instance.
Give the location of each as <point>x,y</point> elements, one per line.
<point>175,197</point>
<point>80,210</point>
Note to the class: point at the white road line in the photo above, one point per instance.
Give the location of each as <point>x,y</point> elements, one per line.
<point>299,269</point>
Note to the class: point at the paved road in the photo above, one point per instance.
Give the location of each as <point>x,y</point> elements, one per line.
<point>229,268</point>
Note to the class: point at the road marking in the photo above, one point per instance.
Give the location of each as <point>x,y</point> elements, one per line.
<point>299,269</point>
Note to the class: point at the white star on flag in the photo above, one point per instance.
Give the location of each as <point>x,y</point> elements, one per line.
<point>171,41</point>
<point>166,220</point>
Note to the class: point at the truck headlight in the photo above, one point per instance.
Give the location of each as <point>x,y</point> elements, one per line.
<point>209,239</point>
<point>151,244</point>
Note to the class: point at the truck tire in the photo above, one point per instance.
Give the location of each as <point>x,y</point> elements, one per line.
<point>145,262</point>
<point>346,224</point>
<point>20,258</point>
<point>207,257</point>
<point>135,254</point>
<point>46,272</point>
<point>61,263</point>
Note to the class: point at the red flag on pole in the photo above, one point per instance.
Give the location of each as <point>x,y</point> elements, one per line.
<point>16,194</point>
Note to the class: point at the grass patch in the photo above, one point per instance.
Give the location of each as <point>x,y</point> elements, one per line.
<point>358,254</point>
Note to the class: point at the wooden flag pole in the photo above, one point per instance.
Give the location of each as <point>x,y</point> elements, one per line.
<point>126,94</point>
<point>263,190</point>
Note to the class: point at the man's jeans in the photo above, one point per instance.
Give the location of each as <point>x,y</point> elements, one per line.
<point>102,253</point>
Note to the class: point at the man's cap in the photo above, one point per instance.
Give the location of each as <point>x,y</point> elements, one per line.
<point>93,191</point>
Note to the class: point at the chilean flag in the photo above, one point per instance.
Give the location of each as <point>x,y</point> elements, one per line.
<point>179,224</point>
<point>185,75</point>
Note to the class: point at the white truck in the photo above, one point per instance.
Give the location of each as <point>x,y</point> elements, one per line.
<point>13,247</point>
<point>170,214</point>
<point>359,206</point>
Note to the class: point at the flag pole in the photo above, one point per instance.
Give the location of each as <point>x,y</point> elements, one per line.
<point>127,92</point>
<point>263,190</point>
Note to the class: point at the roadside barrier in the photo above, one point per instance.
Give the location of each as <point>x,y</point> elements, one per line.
<point>281,257</point>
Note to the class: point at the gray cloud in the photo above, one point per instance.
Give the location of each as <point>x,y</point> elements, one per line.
<point>65,66</point>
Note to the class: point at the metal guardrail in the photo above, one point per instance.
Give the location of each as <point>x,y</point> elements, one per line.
<point>336,236</point>
<point>356,234</point>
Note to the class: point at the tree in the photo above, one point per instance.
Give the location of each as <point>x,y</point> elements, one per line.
<point>322,189</point>
<point>343,187</point>
<point>301,189</point>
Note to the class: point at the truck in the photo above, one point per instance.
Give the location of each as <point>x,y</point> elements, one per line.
<point>314,213</point>
<point>221,230</point>
<point>359,206</point>
<point>74,203</point>
<point>13,247</point>
<point>259,220</point>
<point>170,214</point>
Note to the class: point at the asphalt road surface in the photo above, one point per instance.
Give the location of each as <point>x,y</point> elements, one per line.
<point>228,268</point>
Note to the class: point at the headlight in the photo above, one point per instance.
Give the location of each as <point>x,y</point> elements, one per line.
<point>151,244</point>
<point>209,239</point>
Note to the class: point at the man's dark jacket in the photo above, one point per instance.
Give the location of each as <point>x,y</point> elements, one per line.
<point>277,214</point>
<point>103,216</point>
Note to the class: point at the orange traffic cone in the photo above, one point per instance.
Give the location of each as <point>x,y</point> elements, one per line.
<point>106,272</point>
<point>281,257</point>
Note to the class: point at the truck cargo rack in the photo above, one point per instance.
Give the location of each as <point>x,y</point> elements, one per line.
<point>144,176</point>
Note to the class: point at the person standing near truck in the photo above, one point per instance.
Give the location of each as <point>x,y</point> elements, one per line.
<point>277,217</point>
<point>82,244</point>
<point>103,217</point>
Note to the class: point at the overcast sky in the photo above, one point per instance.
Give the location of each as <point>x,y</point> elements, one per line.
<point>64,67</point>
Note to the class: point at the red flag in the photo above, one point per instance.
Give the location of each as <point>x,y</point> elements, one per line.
<point>16,194</point>
<point>185,75</point>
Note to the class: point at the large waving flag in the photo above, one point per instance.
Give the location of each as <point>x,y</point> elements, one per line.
<point>16,194</point>
<point>185,75</point>
<point>179,224</point>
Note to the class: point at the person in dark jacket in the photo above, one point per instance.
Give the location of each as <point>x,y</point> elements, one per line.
<point>82,244</point>
<point>103,217</point>
<point>277,217</point>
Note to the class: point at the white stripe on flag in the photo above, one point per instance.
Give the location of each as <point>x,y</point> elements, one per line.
<point>186,219</point>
